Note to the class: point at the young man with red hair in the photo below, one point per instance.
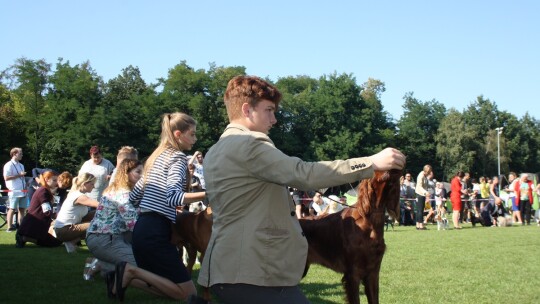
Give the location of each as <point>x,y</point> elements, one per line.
<point>257,251</point>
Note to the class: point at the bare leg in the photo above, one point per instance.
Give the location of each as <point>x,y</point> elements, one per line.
<point>22,212</point>
<point>518,215</point>
<point>9,218</point>
<point>150,282</point>
<point>455,218</point>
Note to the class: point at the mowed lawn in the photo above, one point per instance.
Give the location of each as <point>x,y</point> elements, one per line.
<point>474,265</point>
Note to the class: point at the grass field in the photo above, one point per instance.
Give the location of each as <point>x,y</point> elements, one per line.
<point>474,265</point>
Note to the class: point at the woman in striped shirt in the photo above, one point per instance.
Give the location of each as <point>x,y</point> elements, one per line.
<point>163,187</point>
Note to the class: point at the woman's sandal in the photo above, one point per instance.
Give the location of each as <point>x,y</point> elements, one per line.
<point>90,268</point>
<point>109,279</point>
<point>119,275</point>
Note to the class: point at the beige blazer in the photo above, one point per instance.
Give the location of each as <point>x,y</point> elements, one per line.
<point>256,237</point>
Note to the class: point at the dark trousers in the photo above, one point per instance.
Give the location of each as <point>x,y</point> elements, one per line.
<point>248,294</point>
<point>525,210</point>
<point>420,208</point>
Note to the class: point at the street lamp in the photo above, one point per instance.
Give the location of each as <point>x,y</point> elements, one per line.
<point>499,132</point>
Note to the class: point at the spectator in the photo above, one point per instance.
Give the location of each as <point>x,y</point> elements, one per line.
<point>295,193</point>
<point>410,187</point>
<point>99,167</point>
<point>484,192</point>
<point>33,184</point>
<point>195,186</point>
<point>430,203</point>
<point>320,204</point>
<point>494,213</point>
<point>126,152</point>
<point>465,198</point>
<point>494,189</point>
<point>36,226</point>
<point>440,203</point>
<point>335,204</point>
<point>524,197</point>
<point>114,218</point>
<point>407,194</point>
<point>422,194</point>
<point>258,252</point>
<point>74,218</point>
<point>163,187</point>
<point>516,214</point>
<point>440,194</point>
<point>456,190</point>
<point>15,181</point>
<point>197,160</point>
<point>65,180</point>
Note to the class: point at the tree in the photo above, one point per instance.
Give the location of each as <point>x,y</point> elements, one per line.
<point>379,121</point>
<point>74,120</point>
<point>11,133</point>
<point>482,116</point>
<point>454,142</point>
<point>200,94</point>
<point>29,82</point>
<point>293,130</point>
<point>132,115</point>
<point>416,132</point>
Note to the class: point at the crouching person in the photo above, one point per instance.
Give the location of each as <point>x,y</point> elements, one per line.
<point>74,218</point>
<point>36,225</point>
<point>494,214</point>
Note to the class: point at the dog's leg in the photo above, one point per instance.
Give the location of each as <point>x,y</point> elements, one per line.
<point>352,288</point>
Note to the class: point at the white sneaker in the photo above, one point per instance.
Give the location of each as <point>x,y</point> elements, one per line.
<point>71,247</point>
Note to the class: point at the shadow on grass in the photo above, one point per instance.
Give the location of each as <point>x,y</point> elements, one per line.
<point>319,292</point>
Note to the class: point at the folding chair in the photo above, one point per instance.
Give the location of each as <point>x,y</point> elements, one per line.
<point>3,210</point>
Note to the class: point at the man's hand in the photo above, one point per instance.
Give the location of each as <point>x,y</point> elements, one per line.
<point>388,159</point>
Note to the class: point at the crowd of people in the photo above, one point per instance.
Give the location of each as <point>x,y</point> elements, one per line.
<point>124,212</point>
<point>475,201</point>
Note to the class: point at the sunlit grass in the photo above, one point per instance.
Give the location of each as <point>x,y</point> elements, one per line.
<point>480,265</point>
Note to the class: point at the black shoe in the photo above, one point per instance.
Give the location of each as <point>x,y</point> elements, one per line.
<point>12,228</point>
<point>119,276</point>
<point>109,279</point>
<point>19,242</point>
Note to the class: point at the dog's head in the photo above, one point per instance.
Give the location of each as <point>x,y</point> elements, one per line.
<point>379,194</point>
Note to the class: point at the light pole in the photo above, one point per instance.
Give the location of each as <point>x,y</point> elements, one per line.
<point>499,132</point>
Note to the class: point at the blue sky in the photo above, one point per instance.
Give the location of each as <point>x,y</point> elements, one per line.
<point>451,51</point>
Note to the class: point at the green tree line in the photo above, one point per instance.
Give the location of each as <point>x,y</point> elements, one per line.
<point>55,113</point>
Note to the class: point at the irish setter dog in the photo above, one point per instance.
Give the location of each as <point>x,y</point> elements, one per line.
<point>352,241</point>
<point>192,231</point>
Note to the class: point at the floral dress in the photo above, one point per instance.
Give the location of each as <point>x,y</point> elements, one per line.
<point>114,214</point>
<point>109,234</point>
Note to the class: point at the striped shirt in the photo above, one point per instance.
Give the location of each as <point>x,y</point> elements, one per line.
<point>165,186</point>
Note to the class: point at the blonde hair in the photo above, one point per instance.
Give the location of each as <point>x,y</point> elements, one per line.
<point>82,179</point>
<point>121,180</point>
<point>14,151</point>
<point>177,121</point>
<point>427,169</point>
<point>127,152</point>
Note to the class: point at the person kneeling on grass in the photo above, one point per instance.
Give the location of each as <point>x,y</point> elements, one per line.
<point>494,214</point>
<point>36,225</point>
<point>109,236</point>
<point>74,218</point>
